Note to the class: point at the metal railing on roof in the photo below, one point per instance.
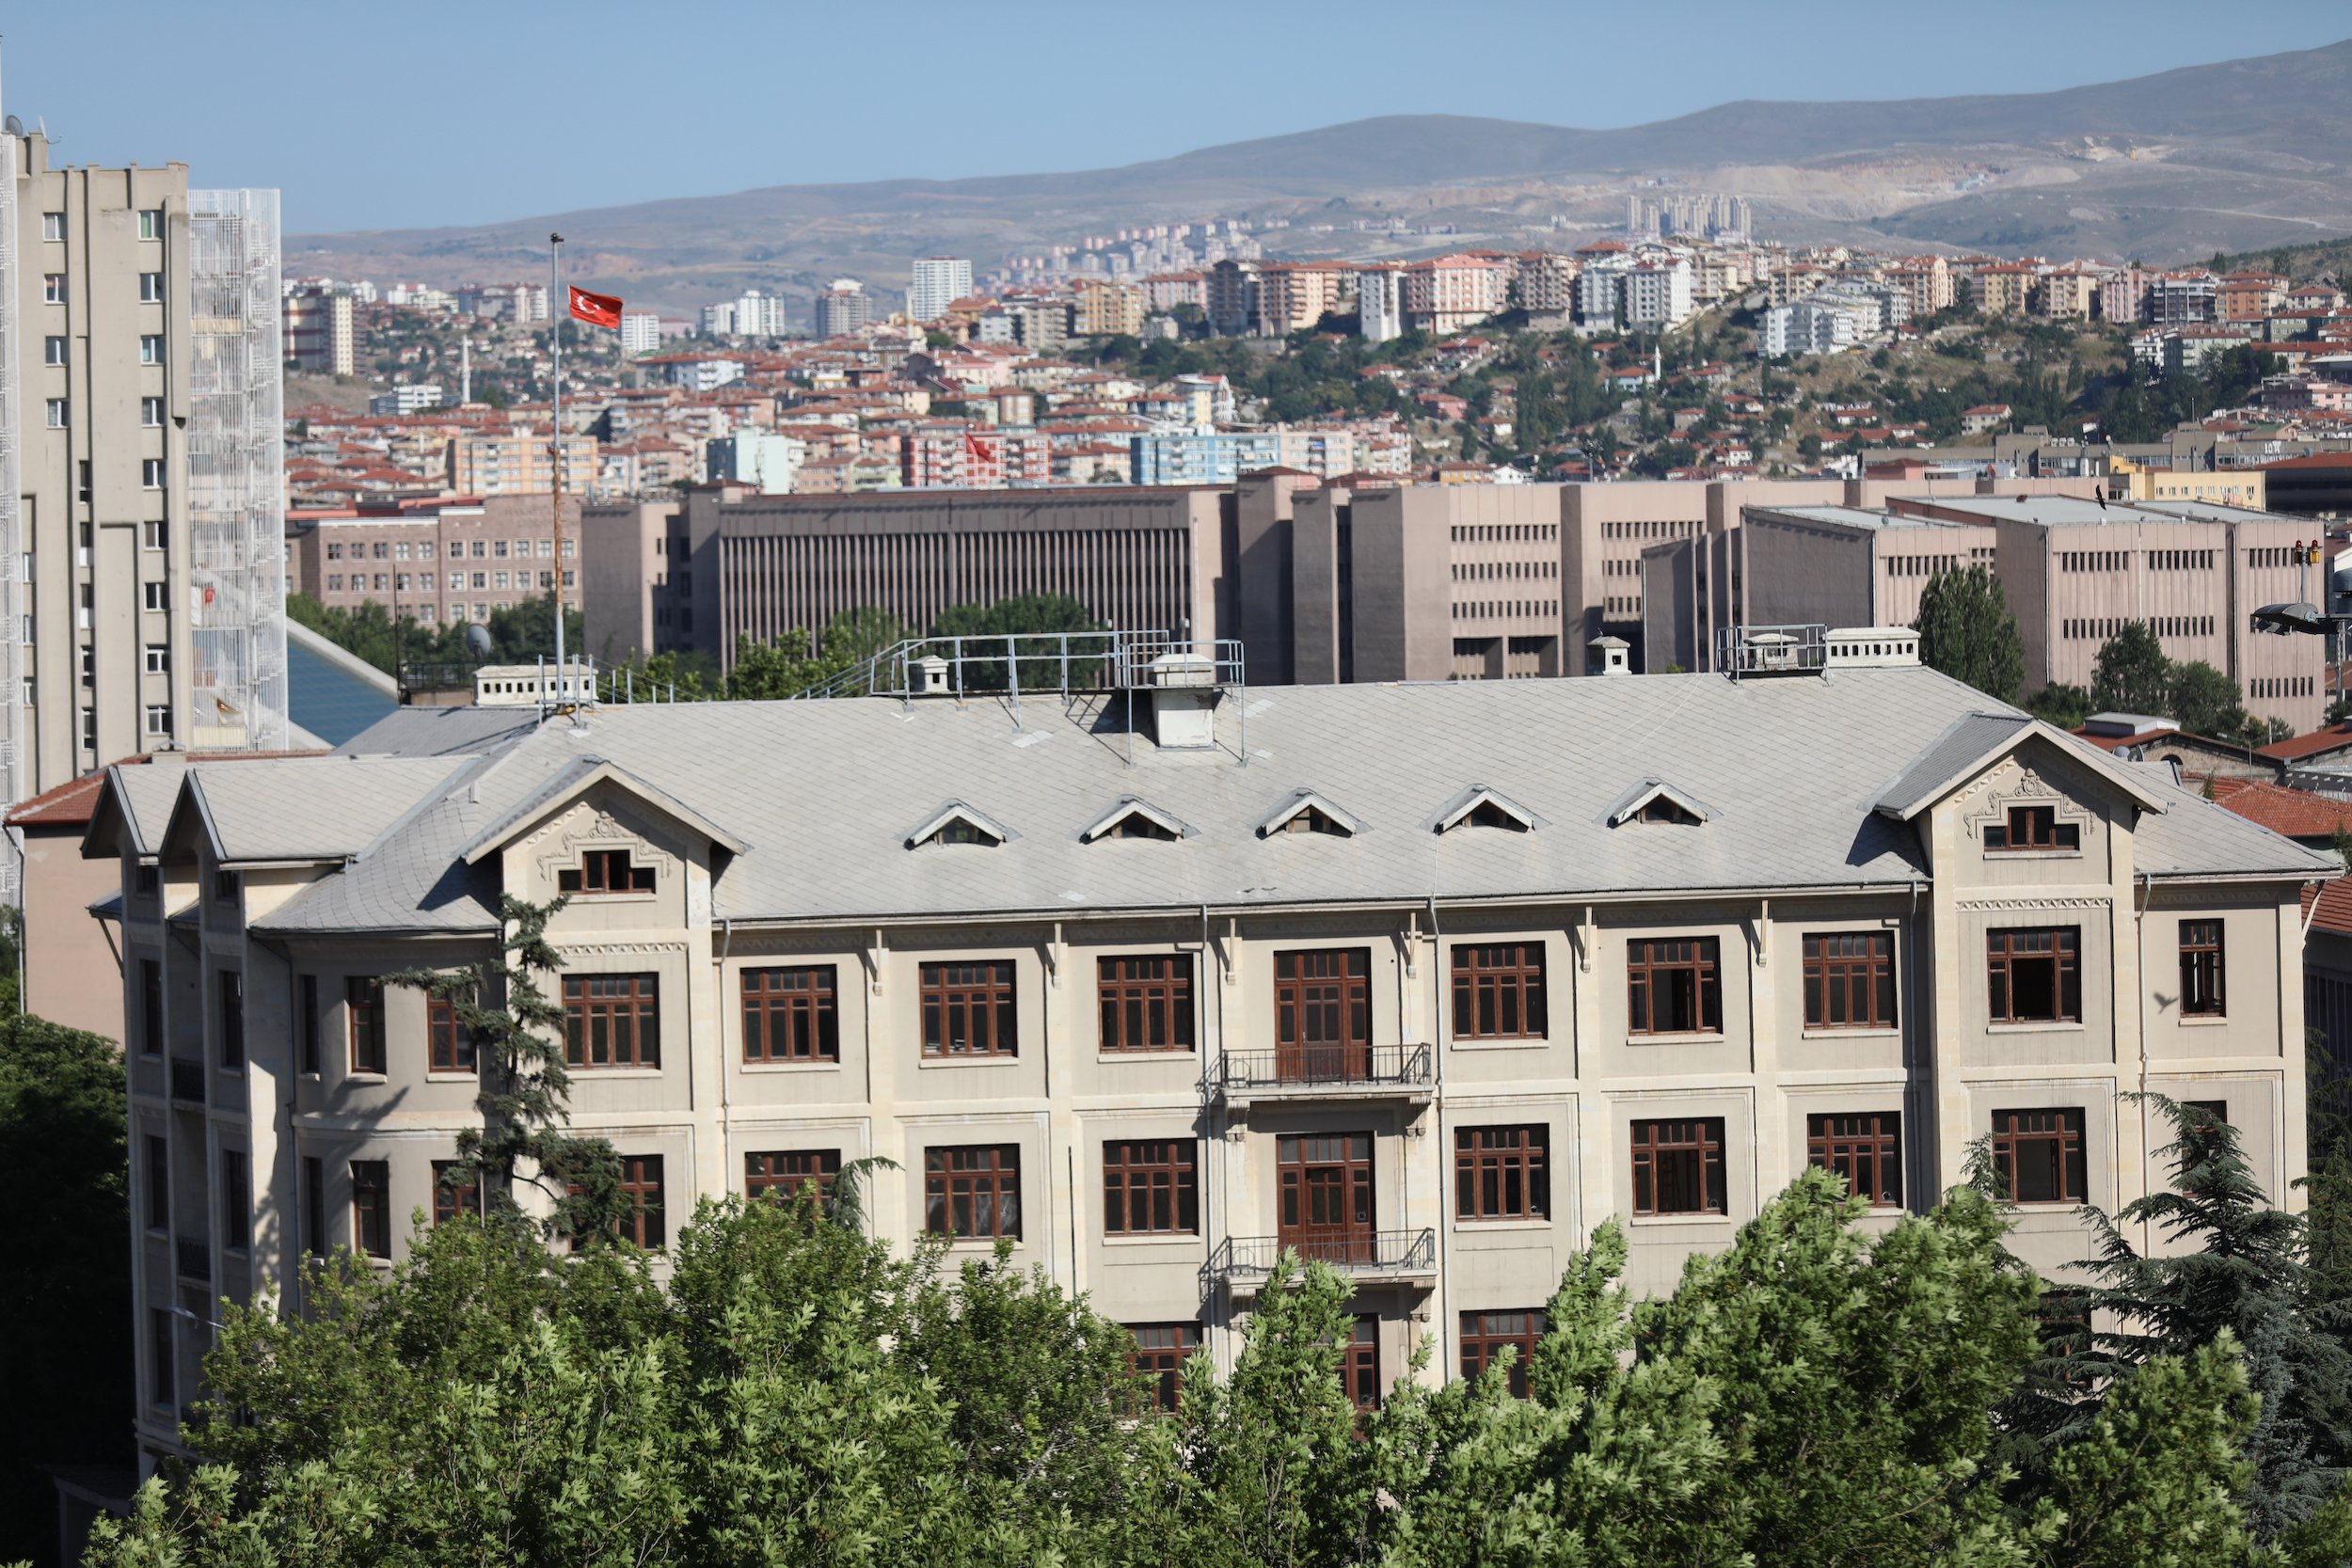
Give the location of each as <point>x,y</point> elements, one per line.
<point>1792,649</point>
<point>1028,663</point>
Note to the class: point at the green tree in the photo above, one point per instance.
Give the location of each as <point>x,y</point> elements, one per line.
<point>2062,705</point>
<point>2131,674</point>
<point>2203,701</point>
<point>1967,630</point>
<point>1024,615</point>
<point>2233,1269</point>
<point>517,1032</point>
<point>65,1297</point>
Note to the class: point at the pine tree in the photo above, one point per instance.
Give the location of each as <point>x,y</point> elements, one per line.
<point>2233,1268</point>
<point>525,1085</point>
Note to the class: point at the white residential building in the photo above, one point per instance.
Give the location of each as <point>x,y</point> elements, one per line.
<point>1658,293</point>
<point>641,331</point>
<point>1379,303</point>
<point>939,282</point>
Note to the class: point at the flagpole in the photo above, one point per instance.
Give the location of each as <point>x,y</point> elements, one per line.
<point>558,308</point>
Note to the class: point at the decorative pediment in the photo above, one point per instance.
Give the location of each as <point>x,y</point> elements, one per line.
<point>1483,806</point>
<point>1134,818</point>
<point>2026,812</point>
<point>1308,811</point>
<point>1654,801</point>
<point>957,823</point>
<point>588,851</point>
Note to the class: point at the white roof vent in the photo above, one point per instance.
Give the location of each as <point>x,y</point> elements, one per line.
<point>1184,701</point>
<point>1872,648</point>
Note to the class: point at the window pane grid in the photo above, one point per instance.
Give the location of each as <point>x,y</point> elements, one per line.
<point>1674,987</point>
<point>2034,976</point>
<point>973,1192</point>
<point>612,1021</point>
<point>1499,992</point>
<point>1865,1150</point>
<point>364,1000</point>
<point>1150,1187</point>
<point>2040,1155</point>
<point>791,1015</point>
<point>1849,980</point>
<point>968,1009</point>
<point>1144,1002</point>
<point>1678,1166</point>
<point>1160,1353</point>
<point>1485,1334</point>
<point>450,1043</point>
<point>1502,1173</point>
<point>2200,968</point>
<point>372,1206</point>
<point>784,1174</point>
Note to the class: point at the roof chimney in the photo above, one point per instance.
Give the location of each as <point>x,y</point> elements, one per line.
<point>1184,701</point>
<point>1608,656</point>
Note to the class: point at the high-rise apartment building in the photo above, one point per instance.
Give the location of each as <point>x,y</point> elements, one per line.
<point>843,309</point>
<point>141,468</point>
<point>939,282</point>
<point>322,330</point>
<point>641,331</point>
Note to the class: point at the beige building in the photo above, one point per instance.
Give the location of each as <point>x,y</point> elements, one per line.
<point>141,468</point>
<point>321,331</point>
<point>1425,981</point>
<point>1108,309</point>
<point>440,561</point>
<point>516,462</point>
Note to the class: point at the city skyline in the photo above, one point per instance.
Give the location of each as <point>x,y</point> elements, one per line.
<point>588,150</point>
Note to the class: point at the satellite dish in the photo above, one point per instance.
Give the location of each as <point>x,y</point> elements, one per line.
<point>13,126</point>
<point>478,639</point>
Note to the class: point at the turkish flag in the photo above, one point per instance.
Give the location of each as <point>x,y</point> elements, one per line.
<point>973,450</point>
<point>597,309</point>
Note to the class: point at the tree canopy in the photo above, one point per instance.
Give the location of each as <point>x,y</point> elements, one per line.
<point>795,1392</point>
<point>1967,631</point>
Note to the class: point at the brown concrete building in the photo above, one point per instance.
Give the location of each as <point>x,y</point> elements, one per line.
<point>438,561</point>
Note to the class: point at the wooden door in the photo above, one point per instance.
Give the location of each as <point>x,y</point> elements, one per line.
<point>1327,1196</point>
<point>1323,1015</point>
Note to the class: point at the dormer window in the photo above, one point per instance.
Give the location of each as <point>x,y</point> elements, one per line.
<point>602,872</point>
<point>1487,814</point>
<point>225,886</point>
<point>956,823</point>
<point>1653,800</point>
<point>1482,807</point>
<point>1306,811</point>
<point>1134,818</point>
<point>1664,810</point>
<point>2028,828</point>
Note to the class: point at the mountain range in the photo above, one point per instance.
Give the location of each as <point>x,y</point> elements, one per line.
<point>2227,157</point>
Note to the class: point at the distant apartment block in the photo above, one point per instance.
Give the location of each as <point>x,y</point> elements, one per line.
<point>413,397</point>
<point>939,281</point>
<point>518,462</point>
<point>321,331</point>
<point>843,309</point>
<point>765,461</point>
<point>641,332</point>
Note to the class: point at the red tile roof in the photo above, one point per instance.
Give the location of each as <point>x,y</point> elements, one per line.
<point>2296,747</point>
<point>2292,813</point>
<point>2335,906</point>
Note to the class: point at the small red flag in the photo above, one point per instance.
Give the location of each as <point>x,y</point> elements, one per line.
<point>973,450</point>
<point>597,309</point>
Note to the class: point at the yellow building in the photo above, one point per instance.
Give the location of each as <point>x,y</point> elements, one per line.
<point>2245,487</point>
<point>1106,310</point>
<point>2003,289</point>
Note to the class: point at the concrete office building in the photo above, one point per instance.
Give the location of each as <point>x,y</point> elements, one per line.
<point>141,467</point>
<point>441,561</point>
<point>843,309</point>
<point>730,564</point>
<point>2075,572</point>
<point>1497,962</point>
<point>939,281</point>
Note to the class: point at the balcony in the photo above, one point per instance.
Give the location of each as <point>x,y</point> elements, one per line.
<point>1326,1072</point>
<point>1370,1257</point>
<point>187,1080</point>
<point>191,1258</point>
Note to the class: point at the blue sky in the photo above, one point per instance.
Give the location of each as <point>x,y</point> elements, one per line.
<point>423,113</point>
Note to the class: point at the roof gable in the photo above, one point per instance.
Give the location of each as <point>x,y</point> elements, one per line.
<point>569,784</point>
<point>1973,743</point>
<point>1302,800</point>
<point>1634,802</point>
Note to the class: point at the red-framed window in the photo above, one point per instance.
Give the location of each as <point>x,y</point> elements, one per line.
<point>969,1010</point>
<point>791,1015</point>
<point>449,1042</point>
<point>1678,1166</point>
<point>1150,1187</point>
<point>602,872</point>
<point>782,1174</point>
<point>2040,1155</point>
<point>2034,976</point>
<point>973,1191</point>
<point>1485,1334</point>
<point>1849,980</point>
<point>1160,1353</point>
<point>613,1020</point>
<point>1673,986</point>
<point>1502,1173</point>
<point>1498,991</point>
<point>1865,1148</point>
<point>1145,1000</point>
<point>2200,969</point>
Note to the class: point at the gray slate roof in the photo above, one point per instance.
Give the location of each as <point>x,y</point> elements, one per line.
<point>309,808</point>
<point>1794,771</point>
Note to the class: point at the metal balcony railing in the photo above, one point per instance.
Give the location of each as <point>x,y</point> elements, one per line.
<point>187,1080</point>
<point>1360,1251</point>
<point>192,1258</point>
<point>1326,1067</point>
